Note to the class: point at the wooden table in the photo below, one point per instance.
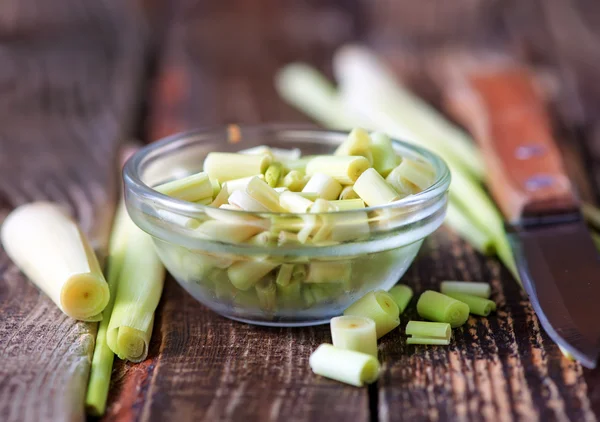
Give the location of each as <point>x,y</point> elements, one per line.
<point>79,77</point>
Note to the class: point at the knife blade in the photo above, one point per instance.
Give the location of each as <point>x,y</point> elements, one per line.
<point>559,266</point>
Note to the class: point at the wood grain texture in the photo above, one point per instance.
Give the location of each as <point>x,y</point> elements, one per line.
<point>67,94</point>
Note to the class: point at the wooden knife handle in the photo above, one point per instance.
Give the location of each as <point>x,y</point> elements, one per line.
<point>502,109</point>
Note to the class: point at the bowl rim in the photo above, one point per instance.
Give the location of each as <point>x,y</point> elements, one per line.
<point>133,182</point>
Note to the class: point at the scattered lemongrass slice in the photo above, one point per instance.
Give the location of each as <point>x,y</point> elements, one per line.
<point>354,333</point>
<point>284,275</point>
<point>295,203</point>
<point>350,226</point>
<point>227,166</point>
<point>226,231</point>
<point>402,295</point>
<point>374,190</point>
<point>344,169</point>
<point>49,247</point>
<point>422,332</point>
<point>348,204</point>
<point>479,239</point>
<point>246,202</point>
<point>191,188</point>
<point>438,307</point>
<point>358,142</point>
<point>467,287</point>
<point>329,272</point>
<point>273,174</point>
<point>411,176</point>
<point>264,194</point>
<point>380,307</point>
<point>384,156</point>
<point>477,305</point>
<point>347,366</point>
<point>294,181</point>
<point>324,185</point>
<point>244,275</point>
<point>348,193</point>
<point>178,219</point>
<point>266,291</point>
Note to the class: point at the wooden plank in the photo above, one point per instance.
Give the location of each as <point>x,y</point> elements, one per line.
<point>67,83</point>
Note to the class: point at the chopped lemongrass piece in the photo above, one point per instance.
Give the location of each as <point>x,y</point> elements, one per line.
<point>438,307</point>
<point>324,185</point>
<point>287,238</point>
<point>299,273</point>
<point>310,225</point>
<point>312,196</point>
<point>422,332</point>
<point>402,295</point>
<point>477,305</point>
<point>294,181</point>
<point>354,333</point>
<point>178,219</point>
<point>273,174</point>
<point>347,366</point>
<point>295,203</point>
<point>221,198</point>
<point>358,142</point>
<point>266,290</point>
<point>479,239</point>
<point>380,307</point>
<point>411,176</point>
<point>284,275</point>
<point>348,193</point>
<point>226,231</point>
<point>325,223</point>
<point>257,150</point>
<point>264,194</point>
<point>374,190</point>
<point>290,295</point>
<point>227,166</point>
<point>344,169</point>
<point>281,189</point>
<point>50,249</point>
<point>243,275</point>
<point>216,185</point>
<point>348,204</point>
<point>382,150</point>
<point>263,239</point>
<point>286,223</point>
<point>467,287</point>
<point>205,201</point>
<point>239,184</point>
<point>350,226</point>
<point>329,272</point>
<point>191,188</point>
<point>246,202</point>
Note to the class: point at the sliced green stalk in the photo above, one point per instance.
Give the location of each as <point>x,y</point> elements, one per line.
<point>438,307</point>
<point>292,202</point>
<point>467,287</point>
<point>50,248</point>
<point>374,190</point>
<point>344,169</point>
<point>264,194</point>
<point>346,366</point>
<point>477,305</point>
<point>325,222</point>
<point>354,333</point>
<point>422,332</point>
<point>273,174</point>
<point>246,202</point>
<point>402,294</point>
<point>350,226</point>
<point>382,150</point>
<point>226,166</point>
<point>244,275</point>
<point>294,181</point>
<point>191,188</point>
<point>299,273</point>
<point>358,142</point>
<point>263,239</point>
<point>216,185</point>
<point>380,307</point>
<point>290,295</point>
<point>348,204</point>
<point>329,272</point>
<point>226,231</point>
<point>287,223</point>
<point>266,291</point>
<point>287,238</point>
<point>479,239</point>
<point>324,185</point>
<point>348,193</point>
<point>284,274</point>
<point>311,196</point>
<point>411,177</point>
<point>178,219</point>
<point>428,340</point>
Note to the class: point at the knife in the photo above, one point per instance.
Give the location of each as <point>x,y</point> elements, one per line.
<point>555,255</point>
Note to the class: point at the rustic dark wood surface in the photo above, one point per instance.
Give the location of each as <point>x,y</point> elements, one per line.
<point>214,63</point>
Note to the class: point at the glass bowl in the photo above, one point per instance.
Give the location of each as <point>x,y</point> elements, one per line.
<point>327,277</point>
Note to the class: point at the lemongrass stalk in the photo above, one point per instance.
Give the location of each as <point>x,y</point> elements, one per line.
<point>380,307</point>
<point>295,203</point>
<point>344,169</point>
<point>311,196</point>
<point>240,184</point>
<point>273,174</point>
<point>266,291</point>
<point>264,194</point>
<point>287,223</point>
<point>226,231</point>
<point>178,219</point>
<point>51,250</point>
<point>479,239</point>
<point>329,272</point>
<point>198,266</point>
<point>467,287</point>
<point>348,193</point>
<point>205,201</point>
<point>348,204</point>
<point>307,295</point>
<point>354,333</point>
<point>222,197</point>
<point>311,223</point>
<point>374,190</point>
<point>382,151</point>
<point>191,188</point>
<point>294,181</point>
<point>244,275</point>
<point>411,176</point>
<point>216,185</point>
<point>223,213</point>
<point>350,226</point>
<point>324,185</point>
<point>139,289</point>
<point>227,166</point>
<point>290,295</point>
<point>438,307</point>
<point>402,294</point>
<point>358,142</point>
<point>347,366</point>
<point>299,273</point>
<point>246,202</point>
<point>325,221</point>
<point>477,305</point>
<point>284,274</point>
<point>422,332</point>
<point>287,238</point>
<point>265,238</point>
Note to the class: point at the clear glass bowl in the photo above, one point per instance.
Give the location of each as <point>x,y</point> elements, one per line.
<point>339,273</point>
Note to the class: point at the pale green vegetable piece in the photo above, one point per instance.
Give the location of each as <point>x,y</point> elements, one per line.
<point>350,226</point>
<point>178,219</point>
<point>329,272</point>
<point>411,176</point>
<point>477,305</point>
<point>358,142</point>
<point>294,181</point>
<point>382,150</point>
<point>423,332</point>
<point>354,333</point>
<point>348,193</point>
<point>374,190</point>
<point>402,295</point>
<point>479,239</point>
<point>438,307</point>
<point>273,174</point>
<point>263,193</point>
<point>380,307</point>
<point>216,185</point>
<point>191,188</point>
<point>467,287</point>
<point>348,204</point>
<point>287,238</point>
<point>266,291</point>
<point>344,169</point>
<point>293,202</point>
<point>263,239</point>
<point>324,185</point>
<point>284,275</point>
<point>226,166</point>
<point>227,231</point>
<point>290,295</point>
<point>244,275</point>
<point>346,366</point>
